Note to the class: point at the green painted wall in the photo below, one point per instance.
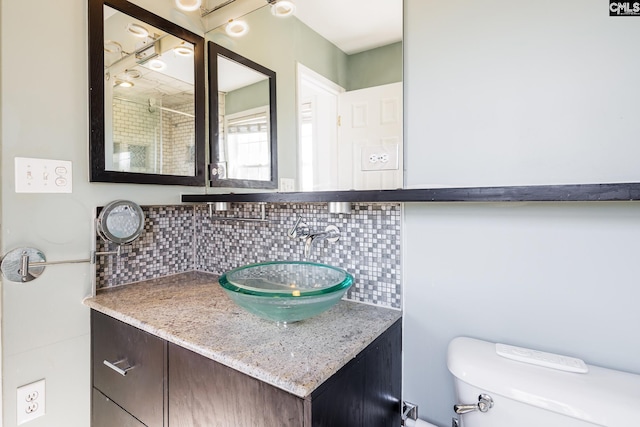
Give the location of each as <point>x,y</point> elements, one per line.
<point>45,326</point>
<point>246,98</point>
<point>375,67</point>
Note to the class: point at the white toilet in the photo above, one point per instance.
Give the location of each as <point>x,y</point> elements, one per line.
<point>527,395</point>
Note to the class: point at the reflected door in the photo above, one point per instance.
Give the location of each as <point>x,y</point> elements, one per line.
<point>370,138</point>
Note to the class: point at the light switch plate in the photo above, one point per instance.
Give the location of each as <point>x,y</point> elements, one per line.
<point>42,175</point>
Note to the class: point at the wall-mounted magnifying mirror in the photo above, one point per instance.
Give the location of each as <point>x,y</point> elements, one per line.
<point>243,121</point>
<point>120,222</point>
<point>147,97</point>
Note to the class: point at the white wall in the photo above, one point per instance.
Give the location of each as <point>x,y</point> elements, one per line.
<point>44,114</point>
<point>516,92</point>
<point>557,277</point>
<point>493,97</point>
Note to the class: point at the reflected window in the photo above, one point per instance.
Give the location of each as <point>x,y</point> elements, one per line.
<point>248,144</point>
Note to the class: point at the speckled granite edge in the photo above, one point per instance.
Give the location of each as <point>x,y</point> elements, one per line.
<point>192,311</point>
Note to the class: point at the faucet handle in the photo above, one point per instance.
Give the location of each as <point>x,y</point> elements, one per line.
<point>299,229</point>
<point>333,233</point>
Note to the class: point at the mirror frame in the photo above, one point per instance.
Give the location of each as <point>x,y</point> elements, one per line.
<point>97,171</point>
<point>215,50</point>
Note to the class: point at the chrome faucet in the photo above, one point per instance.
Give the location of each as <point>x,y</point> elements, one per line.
<point>331,234</point>
<point>301,231</point>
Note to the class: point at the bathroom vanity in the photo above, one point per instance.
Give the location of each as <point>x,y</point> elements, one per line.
<point>177,352</point>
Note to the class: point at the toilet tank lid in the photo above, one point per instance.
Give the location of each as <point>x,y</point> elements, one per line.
<point>601,396</point>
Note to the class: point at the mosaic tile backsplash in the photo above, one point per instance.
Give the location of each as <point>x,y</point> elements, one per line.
<point>183,238</point>
<point>165,247</point>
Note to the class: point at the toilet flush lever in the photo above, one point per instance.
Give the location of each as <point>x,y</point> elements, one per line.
<point>485,402</point>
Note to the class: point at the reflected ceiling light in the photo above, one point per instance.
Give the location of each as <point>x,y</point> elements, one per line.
<point>111,46</point>
<point>132,74</point>
<point>188,5</point>
<point>183,50</point>
<point>123,83</point>
<point>282,8</point>
<point>157,65</point>
<point>138,30</point>
<point>236,28</point>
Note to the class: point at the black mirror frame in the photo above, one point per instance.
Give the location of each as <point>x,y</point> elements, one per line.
<point>97,172</point>
<point>215,50</point>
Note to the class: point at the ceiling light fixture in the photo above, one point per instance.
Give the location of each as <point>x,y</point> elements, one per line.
<point>188,5</point>
<point>282,8</point>
<point>236,28</point>
<point>183,50</point>
<point>157,65</point>
<point>138,30</point>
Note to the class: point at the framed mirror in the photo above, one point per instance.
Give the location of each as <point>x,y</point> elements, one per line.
<point>146,88</point>
<point>242,106</point>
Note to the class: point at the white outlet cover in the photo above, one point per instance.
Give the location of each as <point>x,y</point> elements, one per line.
<point>287,185</point>
<point>31,401</point>
<point>379,157</point>
<point>43,175</point>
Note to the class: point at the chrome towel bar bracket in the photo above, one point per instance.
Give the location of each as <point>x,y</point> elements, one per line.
<point>23,265</point>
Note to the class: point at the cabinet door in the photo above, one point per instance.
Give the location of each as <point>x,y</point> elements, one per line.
<point>338,402</point>
<point>366,392</point>
<point>204,393</point>
<point>382,380</point>
<point>141,391</point>
<point>105,413</point>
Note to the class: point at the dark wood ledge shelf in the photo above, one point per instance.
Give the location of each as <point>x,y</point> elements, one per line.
<point>536,193</point>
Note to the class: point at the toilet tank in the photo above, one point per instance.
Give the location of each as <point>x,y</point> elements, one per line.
<point>527,395</point>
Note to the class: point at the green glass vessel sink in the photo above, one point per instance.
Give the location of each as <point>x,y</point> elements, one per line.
<point>286,291</point>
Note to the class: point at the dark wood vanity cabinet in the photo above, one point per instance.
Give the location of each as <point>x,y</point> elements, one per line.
<point>137,392</point>
<point>366,391</point>
<point>105,413</point>
<point>206,393</point>
<point>190,390</point>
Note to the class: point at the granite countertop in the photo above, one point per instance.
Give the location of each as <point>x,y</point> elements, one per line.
<point>192,311</point>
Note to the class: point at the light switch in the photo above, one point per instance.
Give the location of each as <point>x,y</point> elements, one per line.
<point>42,175</point>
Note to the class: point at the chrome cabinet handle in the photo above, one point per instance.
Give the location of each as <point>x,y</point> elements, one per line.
<point>118,369</point>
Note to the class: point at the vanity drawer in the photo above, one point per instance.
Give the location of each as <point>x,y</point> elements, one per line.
<point>129,367</point>
<point>105,413</point>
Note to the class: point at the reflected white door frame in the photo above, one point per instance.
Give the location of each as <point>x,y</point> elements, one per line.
<point>317,103</point>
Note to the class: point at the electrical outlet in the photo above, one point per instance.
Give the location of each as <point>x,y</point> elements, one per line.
<point>287,185</point>
<point>379,157</point>
<point>31,401</point>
